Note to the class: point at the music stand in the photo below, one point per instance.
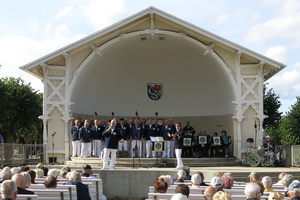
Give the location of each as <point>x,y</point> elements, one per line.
<point>158,146</point>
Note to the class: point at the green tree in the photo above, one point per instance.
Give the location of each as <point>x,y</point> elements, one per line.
<point>20,106</point>
<point>271,106</point>
<point>289,128</point>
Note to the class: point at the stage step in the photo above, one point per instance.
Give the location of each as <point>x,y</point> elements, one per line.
<point>150,162</point>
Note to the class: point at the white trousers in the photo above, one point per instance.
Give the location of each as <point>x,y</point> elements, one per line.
<point>167,149</point>
<point>112,158</point>
<point>97,147</point>
<point>148,148</point>
<point>102,145</point>
<point>85,148</point>
<point>138,144</point>
<point>76,148</point>
<point>178,157</point>
<point>123,146</point>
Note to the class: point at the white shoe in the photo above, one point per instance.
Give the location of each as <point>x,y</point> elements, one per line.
<point>178,168</point>
<point>112,168</point>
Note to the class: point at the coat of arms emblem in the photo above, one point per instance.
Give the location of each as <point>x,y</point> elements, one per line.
<point>155,91</point>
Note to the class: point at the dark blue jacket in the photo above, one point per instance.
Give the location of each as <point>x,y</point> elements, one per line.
<point>85,135</point>
<point>125,131</point>
<point>164,132</point>
<point>136,132</point>
<point>81,190</point>
<point>112,138</point>
<point>149,131</point>
<point>98,132</point>
<point>75,133</point>
<point>157,129</point>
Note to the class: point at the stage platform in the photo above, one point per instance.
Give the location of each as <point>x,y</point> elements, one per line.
<point>160,162</point>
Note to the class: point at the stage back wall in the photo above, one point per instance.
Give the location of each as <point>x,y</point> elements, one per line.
<point>193,84</point>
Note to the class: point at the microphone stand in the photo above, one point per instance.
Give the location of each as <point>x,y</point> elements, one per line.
<point>53,147</point>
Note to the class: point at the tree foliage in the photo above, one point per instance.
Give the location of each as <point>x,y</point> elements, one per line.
<point>289,128</point>
<point>20,107</point>
<point>271,106</point>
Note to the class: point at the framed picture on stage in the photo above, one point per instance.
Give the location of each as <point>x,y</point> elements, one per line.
<point>202,140</point>
<point>187,142</point>
<point>158,147</point>
<point>217,140</point>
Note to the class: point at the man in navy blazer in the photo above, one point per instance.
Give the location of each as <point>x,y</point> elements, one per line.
<point>166,133</point>
<point>136,135</point>
<point>112,137</point>
<point>150,131</point>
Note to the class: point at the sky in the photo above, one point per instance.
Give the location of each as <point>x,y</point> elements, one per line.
<point>30,29</point>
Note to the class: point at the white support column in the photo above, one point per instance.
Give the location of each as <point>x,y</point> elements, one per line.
<point>67,152</point>
<point>239,140</point>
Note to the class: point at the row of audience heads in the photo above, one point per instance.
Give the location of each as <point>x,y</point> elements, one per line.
<point>256,187</point>
<point>23,177</point>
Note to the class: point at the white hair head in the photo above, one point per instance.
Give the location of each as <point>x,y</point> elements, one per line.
<point>181,174</point>
<point>5,173</point>
<point>15,170</point>
<point>168,179</point>
<point>27,179</point>
<point>74,176</point>
<point>8,188</point>
<point>267,182</point>
<point>39,173</point>
<point>287,179</point>
<point>52,172</point>
<point>252,189</point>
<point>196,179</point>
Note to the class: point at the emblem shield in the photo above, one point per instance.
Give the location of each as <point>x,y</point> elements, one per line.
<point>155,91</point>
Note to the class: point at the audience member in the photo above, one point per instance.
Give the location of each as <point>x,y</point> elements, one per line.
<point>280,176</point>
<point>15,170</point>
<point>252,191</point>
<point>254,176</point>
<point>40,166</point>
<point>50,182</point>
<point>227,180</point>
<point>32,176</point>
<point>5,174</point>
<point>45,169</point>
<point>27,179</point>
<point>74,178</point>
<point>39,173</point>
<point>287,180</point>
<point>183,189</point>
<point>9,190</point>
<point>261,186</point>
<point>220,195</point>
<point>196,181</point>
<point>275,196</point>
<point>217,183</point>
<point>19,179</point>
<point>293,190</point>
<point>52,172</point>
<point>267,182</point>
<point>168,179</point>
<point>202,177</point>
<point>180,176</point>
<point>160,185</point>
<point>209,192</point>
<point>87,172</point>
<point>25,168</point>
<point>187,172</point>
